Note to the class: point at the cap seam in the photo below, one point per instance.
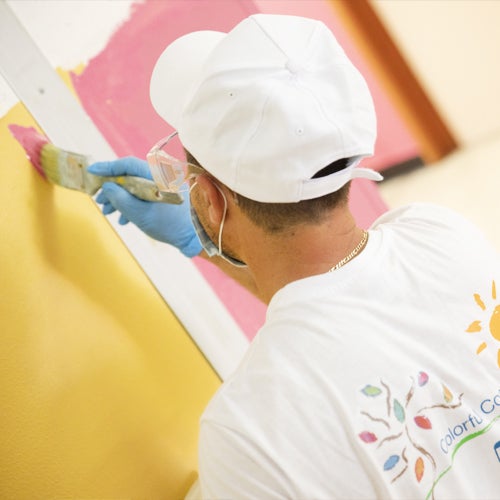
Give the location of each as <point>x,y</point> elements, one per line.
<point>250,137</point>
<point>320,106</point>
<point>254,19</point>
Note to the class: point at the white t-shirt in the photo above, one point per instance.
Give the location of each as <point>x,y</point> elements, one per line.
<point>379,380</point>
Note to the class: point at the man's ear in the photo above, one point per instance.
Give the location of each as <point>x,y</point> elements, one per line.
<point>212,198</point>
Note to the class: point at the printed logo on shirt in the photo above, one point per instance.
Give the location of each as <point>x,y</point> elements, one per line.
<point>398,423</point>
<point>490,312</point>
<point>496,448</point>
<point>418,431</point>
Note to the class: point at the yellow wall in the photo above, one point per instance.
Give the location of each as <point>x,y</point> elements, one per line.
<point>100,388</point>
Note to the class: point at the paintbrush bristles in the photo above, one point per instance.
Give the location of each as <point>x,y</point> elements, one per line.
<point>63,168</point>
<point>50,163</point>
<point>32,142</point>
<point>56,165</point>
<point>69,169</point>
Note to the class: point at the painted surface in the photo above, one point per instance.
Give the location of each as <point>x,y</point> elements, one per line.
<point>32,142</point>
<point>103,388</point>
<point>100,387</point>
<point>114,90</point>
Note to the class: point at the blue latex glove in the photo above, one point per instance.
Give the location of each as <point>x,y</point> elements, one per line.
<point>162,221</point>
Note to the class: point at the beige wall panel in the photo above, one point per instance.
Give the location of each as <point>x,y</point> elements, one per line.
<point>453,47</point>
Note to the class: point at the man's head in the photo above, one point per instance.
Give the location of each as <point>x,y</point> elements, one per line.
<point>266,107</point>
<point>278,218</point>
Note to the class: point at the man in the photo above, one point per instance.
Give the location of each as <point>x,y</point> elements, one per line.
<point>377,372</point>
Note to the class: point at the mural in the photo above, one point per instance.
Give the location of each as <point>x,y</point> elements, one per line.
<point>103,385</point>
<point>114,90</point>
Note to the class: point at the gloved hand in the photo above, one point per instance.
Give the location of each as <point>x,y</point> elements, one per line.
<point>162,221</point>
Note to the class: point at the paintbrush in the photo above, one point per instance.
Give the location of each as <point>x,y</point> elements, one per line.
<point>69,170</point>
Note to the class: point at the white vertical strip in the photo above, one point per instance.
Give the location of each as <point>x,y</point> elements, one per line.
<point>59,114</point>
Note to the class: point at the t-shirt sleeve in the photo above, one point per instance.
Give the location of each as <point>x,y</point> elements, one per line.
<point>231,466</point>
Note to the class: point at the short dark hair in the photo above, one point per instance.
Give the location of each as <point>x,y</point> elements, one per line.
<point>276,218</point>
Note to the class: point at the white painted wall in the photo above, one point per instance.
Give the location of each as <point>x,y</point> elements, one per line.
<point>83,28</point>
<point>453,47</point>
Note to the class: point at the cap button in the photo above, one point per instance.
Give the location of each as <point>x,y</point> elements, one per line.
<point>294,66</point>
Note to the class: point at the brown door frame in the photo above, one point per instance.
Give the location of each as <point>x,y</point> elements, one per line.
<point>428,128</point>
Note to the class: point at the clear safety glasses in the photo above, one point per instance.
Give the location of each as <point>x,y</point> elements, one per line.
<point>170,173</point>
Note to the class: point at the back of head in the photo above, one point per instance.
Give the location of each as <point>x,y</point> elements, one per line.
<point>267,106</point>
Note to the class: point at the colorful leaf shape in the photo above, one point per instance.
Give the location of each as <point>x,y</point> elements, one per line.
<point>423,422</point>
<point>368,437</point>
<point>371,391</point>
<point>391,462</point>
<point>419,469</point>
<point>399,411</point>
<point>448,396</point>
<point>423,378</point>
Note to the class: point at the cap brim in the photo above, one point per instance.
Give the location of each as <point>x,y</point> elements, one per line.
<point>177,70</point>
<point>314,188</point>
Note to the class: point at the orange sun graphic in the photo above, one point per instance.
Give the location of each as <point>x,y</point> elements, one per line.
<point>494,325</point>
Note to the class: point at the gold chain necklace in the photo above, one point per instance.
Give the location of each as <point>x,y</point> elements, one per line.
<point>353,254</point>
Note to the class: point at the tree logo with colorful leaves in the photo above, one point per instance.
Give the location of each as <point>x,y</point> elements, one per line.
<point>395,429</point>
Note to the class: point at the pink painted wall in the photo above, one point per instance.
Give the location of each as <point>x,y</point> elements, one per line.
<point>114,90</point>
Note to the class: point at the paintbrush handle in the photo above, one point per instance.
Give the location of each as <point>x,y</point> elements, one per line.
<point>140,187</point>
<point>145,189</point>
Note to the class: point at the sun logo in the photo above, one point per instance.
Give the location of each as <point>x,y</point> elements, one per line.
<point>494,324</point>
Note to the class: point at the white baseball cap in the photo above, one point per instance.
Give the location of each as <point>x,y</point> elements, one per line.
<point>266,106</point>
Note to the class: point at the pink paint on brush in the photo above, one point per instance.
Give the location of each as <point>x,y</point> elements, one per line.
<point>32,142</point>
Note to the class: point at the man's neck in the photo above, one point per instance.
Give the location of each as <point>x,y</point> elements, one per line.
<point>306,250</point>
